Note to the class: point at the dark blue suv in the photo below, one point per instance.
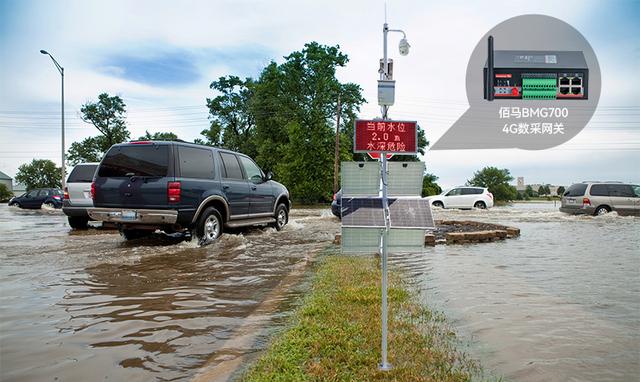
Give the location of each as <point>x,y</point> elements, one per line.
<point>177,186</point>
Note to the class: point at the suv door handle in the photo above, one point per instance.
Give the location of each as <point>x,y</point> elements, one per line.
<point>254,188</point>
<point>225,186</point>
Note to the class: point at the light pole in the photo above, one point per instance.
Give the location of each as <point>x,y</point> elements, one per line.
<point>61,70</point>
<point>404,50</point>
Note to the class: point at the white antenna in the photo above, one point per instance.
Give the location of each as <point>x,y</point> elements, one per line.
<point>385,12</point>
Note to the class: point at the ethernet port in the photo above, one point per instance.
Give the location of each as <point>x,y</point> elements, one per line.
<point>576,81</point>
<point>564,90</point>
<point>564,81</point>
<point>576,90</point>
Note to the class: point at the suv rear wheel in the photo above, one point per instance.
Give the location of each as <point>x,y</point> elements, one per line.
<point>282,217</point>
<point>209,226</point>
<point>601,210</point>
<point>438,204</point>
<point>78,222</point>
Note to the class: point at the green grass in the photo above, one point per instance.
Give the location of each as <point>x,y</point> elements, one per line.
<point>335,334</point>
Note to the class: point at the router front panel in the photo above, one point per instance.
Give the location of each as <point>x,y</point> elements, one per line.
<point>539,84</point>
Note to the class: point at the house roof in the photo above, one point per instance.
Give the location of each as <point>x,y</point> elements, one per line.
<point>5,176</point>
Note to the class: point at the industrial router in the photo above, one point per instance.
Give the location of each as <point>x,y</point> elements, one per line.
<point>537,75</point>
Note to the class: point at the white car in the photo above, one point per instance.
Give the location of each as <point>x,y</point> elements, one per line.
<point>463,197</point>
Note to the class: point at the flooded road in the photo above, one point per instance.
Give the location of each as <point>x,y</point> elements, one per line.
<point>559,303</point>
<point>89,306</point>
<point>562,302</point>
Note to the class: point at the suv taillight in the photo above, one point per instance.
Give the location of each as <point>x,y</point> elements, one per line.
<point>490,195</point>
<point>66,193</point>
<point>586,201</point>
<point>334,196</point>
<point>173,192</point>
<point>93,190</point>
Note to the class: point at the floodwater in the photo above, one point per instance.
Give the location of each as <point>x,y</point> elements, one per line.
<point>559,303</point>
<point>88,306</point>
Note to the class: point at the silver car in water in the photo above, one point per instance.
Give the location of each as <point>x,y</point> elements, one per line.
<point>77,195</point>
<point>598,198</point>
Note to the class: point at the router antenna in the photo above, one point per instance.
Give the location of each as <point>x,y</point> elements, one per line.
<point>490,78</point>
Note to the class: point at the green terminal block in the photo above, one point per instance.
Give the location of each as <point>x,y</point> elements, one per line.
<point>539,88</point>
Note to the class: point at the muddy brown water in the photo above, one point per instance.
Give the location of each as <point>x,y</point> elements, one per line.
<point>559,303</point>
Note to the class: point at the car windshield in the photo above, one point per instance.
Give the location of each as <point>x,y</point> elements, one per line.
<point>135,160</point>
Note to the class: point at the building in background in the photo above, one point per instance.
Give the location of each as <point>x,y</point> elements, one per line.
<point>6,180</point>
<point>521,187</point>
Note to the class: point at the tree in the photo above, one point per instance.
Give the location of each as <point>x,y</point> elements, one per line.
<point>158,136</point>
<point>40,173</point>
<point>529,191</point>
<point>541,191</point>
<point>429,185</point>
<point>547,191</point>
<point>5,194</point>
<point>560,191</point>
<point>108,116</point>
<point>232,123</point>
<point>294,105</point>
<point>497,181</point>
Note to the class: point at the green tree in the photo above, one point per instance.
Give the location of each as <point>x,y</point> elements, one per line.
<point>5,194</point>
<point>40,173</point>
<point>232,122</point>
<point>158,136</point>
<point>541,191</point>
<point>529,191</point>
<point>294,105</point>
<point>497,181</point>
<point>108,116</point>
<point>429,185</point>
<point>547,191</point>
<point>560,191</point>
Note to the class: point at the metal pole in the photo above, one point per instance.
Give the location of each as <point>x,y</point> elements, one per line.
<point>336,161</point>
<point>384,365</point>
<point>64,175</point>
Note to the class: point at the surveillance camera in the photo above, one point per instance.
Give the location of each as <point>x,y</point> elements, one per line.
<point>404,47</point>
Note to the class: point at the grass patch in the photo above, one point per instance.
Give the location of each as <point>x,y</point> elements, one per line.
<point>335,334</point>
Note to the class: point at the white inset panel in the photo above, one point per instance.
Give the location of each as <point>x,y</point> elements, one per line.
<point>360,179</point>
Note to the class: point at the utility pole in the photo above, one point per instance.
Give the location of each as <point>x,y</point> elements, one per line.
<point>336,162</point>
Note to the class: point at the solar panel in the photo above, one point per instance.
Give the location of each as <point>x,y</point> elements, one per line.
<point>405,178</point>
<point>362,212</point>
<point>360,178</point>
<point>360,240</point>
<point>409,213</point>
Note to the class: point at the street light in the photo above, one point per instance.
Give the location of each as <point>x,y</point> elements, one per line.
<point>61,70</point>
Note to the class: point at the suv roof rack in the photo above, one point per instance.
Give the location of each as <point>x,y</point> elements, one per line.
<point>600,181</point>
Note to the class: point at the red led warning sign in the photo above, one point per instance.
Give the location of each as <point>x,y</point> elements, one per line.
<point>399,137</point>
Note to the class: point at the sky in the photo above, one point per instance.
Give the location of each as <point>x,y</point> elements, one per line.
<point>161,56</point>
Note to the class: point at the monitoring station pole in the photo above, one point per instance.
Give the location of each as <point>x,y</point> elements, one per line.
<point>384,75</point>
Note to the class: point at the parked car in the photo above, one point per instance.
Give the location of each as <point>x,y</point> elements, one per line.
<point>336,204</point>
<point>77,195</point>
<point>178,186</point>
<point>463,197</point>
<point>38,197</point>
<point>598,198</point>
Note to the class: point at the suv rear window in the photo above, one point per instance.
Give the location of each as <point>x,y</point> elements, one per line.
<point>231,166</point>
<point>576,190</point>
<point>195,162</point>
<point>136,160</point>
<point>82,173</point>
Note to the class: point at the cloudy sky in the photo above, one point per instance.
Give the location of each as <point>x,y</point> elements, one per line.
<point>160,57</point>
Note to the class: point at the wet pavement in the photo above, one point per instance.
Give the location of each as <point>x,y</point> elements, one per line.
<point>87,305</point>
<point>561,302</point>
